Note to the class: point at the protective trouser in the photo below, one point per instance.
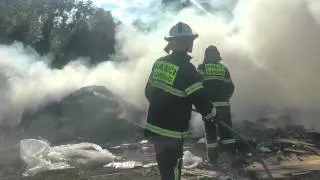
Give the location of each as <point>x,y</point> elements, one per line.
<point>169,152</point>
<point>224,140</point>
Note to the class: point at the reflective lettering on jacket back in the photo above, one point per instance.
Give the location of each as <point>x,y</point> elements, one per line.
<point>165,72</point>
<point>215,70</point>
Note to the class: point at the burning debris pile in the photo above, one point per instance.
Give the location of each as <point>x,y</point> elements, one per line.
<point>92,113</point>
<point>290,152</point>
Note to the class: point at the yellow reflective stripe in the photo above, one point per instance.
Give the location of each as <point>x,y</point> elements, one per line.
<point>165,132</point>
<point>176,170</point>
<point>209,116</point>
<point>212,145</point>
<point>168,89</point>
<point>193,88</point>
<point>222,103</point>
<point>212,114</point>
<point>206,78</point>
<point>228,141</point>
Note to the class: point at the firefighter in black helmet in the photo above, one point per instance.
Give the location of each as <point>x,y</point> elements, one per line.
<point>219,87</point>
<point>174,85</point>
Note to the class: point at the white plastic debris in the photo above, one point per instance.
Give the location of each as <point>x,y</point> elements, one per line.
<point>202,141</point>
<point>145,148</point>
<point>150,165</point>
<point>264,149</point>
<point>190,160</point>
<point>144,142</point>
<point>124,165</point>
<point>40,157</point>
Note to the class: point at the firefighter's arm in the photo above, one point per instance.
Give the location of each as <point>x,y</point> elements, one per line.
<point>230,83</point>
<point>148,90</point>
<point>200,69</point>
<point>197,95</point>
<point>202,104</point>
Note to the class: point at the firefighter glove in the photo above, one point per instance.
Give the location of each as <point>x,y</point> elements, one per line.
<point>211,116</point>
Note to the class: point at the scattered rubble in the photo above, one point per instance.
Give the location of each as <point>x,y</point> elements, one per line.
<point>290,167</point>
<point>290,152</point>
<point>287,150</point>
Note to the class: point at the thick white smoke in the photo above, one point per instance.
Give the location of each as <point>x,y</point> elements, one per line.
<point>270,47</point>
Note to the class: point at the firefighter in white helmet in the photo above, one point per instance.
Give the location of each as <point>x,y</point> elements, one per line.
<point>180,38</point>
<point>172,88</point>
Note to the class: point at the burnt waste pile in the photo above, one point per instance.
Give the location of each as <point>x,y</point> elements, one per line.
<point>91,114</point>
<point>92,134</point>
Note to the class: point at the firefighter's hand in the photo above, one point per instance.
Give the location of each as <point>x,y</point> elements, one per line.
<point>212,116</point>
<point>214,119</point>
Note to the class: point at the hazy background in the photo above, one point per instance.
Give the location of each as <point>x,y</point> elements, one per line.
<point>271,48</point>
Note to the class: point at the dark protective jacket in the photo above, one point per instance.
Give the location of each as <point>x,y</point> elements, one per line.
<point>173,87</point>
<point>217,81</point>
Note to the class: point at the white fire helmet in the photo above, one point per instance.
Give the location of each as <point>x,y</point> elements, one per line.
<point>180,38</point>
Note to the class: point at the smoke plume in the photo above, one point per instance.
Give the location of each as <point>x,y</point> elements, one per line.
<point>270,47</point>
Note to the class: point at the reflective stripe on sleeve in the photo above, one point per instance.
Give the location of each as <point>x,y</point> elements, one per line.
<point>212,114</point>
<point>193,88</point>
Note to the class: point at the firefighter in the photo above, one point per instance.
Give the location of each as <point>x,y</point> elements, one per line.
<point>219,87</point>
<point>174,85</point>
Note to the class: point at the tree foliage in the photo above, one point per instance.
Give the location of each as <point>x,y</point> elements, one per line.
<point>66,28</point>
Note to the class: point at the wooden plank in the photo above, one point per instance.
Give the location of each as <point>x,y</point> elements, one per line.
<point>293,141</point>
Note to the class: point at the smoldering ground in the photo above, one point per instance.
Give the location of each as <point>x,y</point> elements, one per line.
<point>270,47</point>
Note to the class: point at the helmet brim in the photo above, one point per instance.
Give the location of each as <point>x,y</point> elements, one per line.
<point>193,37</point>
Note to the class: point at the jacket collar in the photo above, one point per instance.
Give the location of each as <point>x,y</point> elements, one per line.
<point>182,54</point>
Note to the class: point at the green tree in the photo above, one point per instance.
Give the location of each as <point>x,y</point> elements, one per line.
<point>66,28</point>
